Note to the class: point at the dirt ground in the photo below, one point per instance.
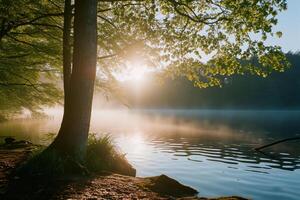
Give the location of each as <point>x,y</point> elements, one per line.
<point>109,186</point>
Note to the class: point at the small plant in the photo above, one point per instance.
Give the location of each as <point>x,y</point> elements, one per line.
<point>100,152</point>
<point>48,138</point>
<point>102,155</point>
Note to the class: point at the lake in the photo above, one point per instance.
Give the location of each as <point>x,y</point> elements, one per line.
<point>210,150</point>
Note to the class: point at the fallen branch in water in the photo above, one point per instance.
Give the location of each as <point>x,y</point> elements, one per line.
<point>277,142</point>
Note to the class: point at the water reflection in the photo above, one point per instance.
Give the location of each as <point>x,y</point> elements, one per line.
<point>232,154</point>
<point>209,150</point>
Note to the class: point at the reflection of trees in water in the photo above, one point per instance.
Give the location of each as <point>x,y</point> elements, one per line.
<point>231,154</point>
<point>276,123</point>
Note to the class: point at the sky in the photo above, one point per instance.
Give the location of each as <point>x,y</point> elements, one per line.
<point>289,25</point>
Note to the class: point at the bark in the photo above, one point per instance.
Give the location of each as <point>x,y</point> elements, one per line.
<point>73,133</point>
<point>67,54</point>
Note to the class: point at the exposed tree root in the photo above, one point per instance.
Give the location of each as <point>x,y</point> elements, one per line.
<point>52,163</point>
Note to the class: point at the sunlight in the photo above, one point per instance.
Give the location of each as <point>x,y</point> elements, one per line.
<point>150,99</point>
<point>137,142</point>
<point>137,73</point>
<point>136,70</point>
<point>133,144</point>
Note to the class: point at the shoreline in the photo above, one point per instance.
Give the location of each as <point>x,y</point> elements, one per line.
<point>104,186</point>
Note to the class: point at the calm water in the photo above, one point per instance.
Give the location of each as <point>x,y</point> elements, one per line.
<point>210,150</point>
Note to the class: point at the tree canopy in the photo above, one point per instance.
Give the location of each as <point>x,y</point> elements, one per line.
<point>277,91</point>
<point>176,35</point>
<point>172,36</point>
<point>30,54</point>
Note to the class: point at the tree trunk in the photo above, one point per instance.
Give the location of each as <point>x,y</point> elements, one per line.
<point>73,133</point>
<point>67,52</point>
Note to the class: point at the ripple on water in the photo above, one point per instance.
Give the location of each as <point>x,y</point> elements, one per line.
<point>217,165</point>
<point>180,154</point>
<point>259,167</point>
<point>251,174</point>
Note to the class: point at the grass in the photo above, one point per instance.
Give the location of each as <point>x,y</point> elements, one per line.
<point>101,155</point>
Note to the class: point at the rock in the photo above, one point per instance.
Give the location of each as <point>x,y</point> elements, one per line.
<point>12,143</point>
<point>167,186</point>
<point>23,142</point>
<point>9,140</point>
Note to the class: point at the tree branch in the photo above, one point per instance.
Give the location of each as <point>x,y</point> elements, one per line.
<point>276,142</point>
<point>108,21</point>
<point>26,79</point>
<point>19,84</point>
<point>7,26</point>
<point>213,19</point>
<point>107,56</point>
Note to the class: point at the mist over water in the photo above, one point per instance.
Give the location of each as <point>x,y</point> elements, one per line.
<point>211,150</point>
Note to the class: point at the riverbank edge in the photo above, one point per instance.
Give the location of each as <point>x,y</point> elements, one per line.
<point>104,186</point>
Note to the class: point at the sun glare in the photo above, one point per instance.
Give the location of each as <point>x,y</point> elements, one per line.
<point>136,70</point>
<point>136,73</point>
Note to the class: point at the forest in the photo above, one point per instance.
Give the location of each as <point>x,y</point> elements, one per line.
<point>226,69</point>
<point>277,91</point>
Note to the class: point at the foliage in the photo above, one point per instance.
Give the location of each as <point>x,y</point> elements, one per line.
<point>30,55</point>
<point>176,35</point>
<point>101,155</point>
<point>100,152</point>
<point>173,36</point>
<point>277,91</point>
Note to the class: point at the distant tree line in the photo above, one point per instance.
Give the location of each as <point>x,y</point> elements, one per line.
<point>73,37</point>
<point>278,90</point>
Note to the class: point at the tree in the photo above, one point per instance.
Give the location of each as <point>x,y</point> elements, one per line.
<point>276,91</point>
<point>74,129</point>
<point>171,35</point>
<point>176,35</point>
<point>67,48</point>
<point>30,55</point>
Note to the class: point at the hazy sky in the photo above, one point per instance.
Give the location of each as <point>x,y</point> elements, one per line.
<point>289,24</point>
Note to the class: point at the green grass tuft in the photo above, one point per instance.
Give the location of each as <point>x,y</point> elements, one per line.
<point>101,155</point>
